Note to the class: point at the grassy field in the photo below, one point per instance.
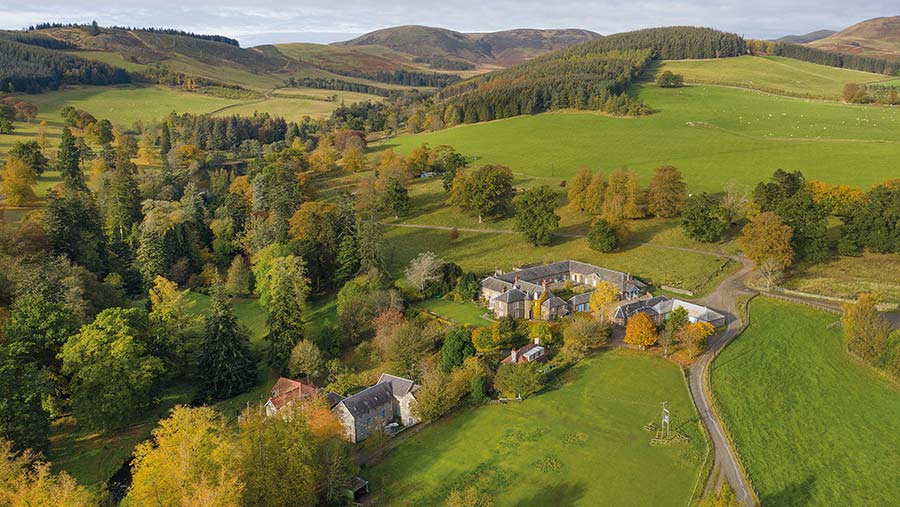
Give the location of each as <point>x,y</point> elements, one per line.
<point>580,444</point>
<point>457,312</point>
<point>813,426</point>
<point>847,277</point>
<point>773,74</point>
<point>712,134</point>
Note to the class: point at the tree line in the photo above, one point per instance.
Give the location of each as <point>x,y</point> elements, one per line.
<point>832,59</point>
<point>166,31</point>
<point>32,69</point>
<point>401,77</point>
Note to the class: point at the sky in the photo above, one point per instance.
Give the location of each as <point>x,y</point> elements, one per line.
<point>266,21</point>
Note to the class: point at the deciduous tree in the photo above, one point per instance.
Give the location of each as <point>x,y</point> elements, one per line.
<point>667,193</point>
<point>424,269</point>
<point>192,454</point>
<point>307,361</point>
<point>766,240</point>
<point>18,182</point>
<point>456,348</point>
<point>602,236</point>
<point>536,216</point>
<point>640,331</point>
<point>518,379</point>
<point>605,293</point>
<point>865,330</point>
<point>112,372</point>
<point>702,219</point>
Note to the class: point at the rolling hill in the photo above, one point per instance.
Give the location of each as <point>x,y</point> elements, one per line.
<point>878,37</point>
<point>503,48</point>
<point>807,37</point>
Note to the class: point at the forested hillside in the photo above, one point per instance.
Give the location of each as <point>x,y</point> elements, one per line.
<point>668,43</point>
<point>592,75</point>
<point>29,68</point>
<point>840,60</point>
<point>595,81</point>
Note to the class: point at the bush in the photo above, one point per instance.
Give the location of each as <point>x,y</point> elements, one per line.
<point>668,79</point>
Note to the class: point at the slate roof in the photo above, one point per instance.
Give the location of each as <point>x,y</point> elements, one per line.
<point>511,296</point>
<point>528,278</point>
<point>578,299</point>
<point>553,302</point>
<point>495,284</point>
<point>333,399</point>
<point>400,386</point>
<point>368,399</point>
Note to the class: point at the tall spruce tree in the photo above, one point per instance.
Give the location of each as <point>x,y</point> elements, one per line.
<point>288,289</point>
<point>123,200</point>
<point>68,161</point>
<point>226,364</point>
<point>165,143</point>
<point>347,260</point>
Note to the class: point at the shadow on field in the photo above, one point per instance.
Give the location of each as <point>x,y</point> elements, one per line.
<point>560,495</point>
<point>795,495</point>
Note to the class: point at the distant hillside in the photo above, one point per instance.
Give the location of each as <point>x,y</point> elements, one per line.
<point>807,37</point>
<point>504,48</point>
<point>879,37</point>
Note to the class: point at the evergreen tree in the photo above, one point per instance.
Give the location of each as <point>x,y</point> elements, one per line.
<point>370,241</point>
<point>226,364</point>
<point>347,260</point>
<point>23,419</point>
<point>165,142</point>
<point>288,289</point>
<point>395,198</point>
<point>68,161</point>
<point>151,254</point>
<point>123,199</point>
<point>74,228</point>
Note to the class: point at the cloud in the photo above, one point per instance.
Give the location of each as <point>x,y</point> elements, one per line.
<point>761,18</point>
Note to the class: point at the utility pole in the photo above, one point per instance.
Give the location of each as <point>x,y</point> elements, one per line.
<point>664,422</point>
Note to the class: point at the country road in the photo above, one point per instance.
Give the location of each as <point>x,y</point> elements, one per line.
<point>724,299</point>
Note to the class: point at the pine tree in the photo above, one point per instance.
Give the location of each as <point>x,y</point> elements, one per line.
<point>151,254</point>
<point>68,161</point>
<point>226,365</point>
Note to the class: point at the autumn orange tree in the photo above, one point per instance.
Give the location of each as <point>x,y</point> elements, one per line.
<point>640,331</point>
<point>766,240</point>
<point>578,186</point>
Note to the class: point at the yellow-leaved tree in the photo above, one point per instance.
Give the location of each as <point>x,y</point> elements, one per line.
<point>640,331</point>
<point>26,480</point>
<point>18,180</point>
<point>694,335</point>
<point>190,458</point>
<point>605,294</point>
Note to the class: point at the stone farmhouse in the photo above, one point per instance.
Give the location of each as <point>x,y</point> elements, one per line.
<point>658,309</point>
<point>370,410</point>
<point>515,292</point>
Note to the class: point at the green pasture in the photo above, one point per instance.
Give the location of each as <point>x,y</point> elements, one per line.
<point>712,134</point>
<point>578,444</point>
<point>813,426</point>
<point>772,74</point>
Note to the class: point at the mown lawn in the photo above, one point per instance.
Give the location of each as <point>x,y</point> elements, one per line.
<point>813,426</point>
<point>773,74</point>
<point>712,134</point>
<point>581,444</point>
<point>458,312</point>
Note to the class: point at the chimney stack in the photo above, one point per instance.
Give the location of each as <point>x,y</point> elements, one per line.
<point>537,341</point>
<point>513,357</point>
